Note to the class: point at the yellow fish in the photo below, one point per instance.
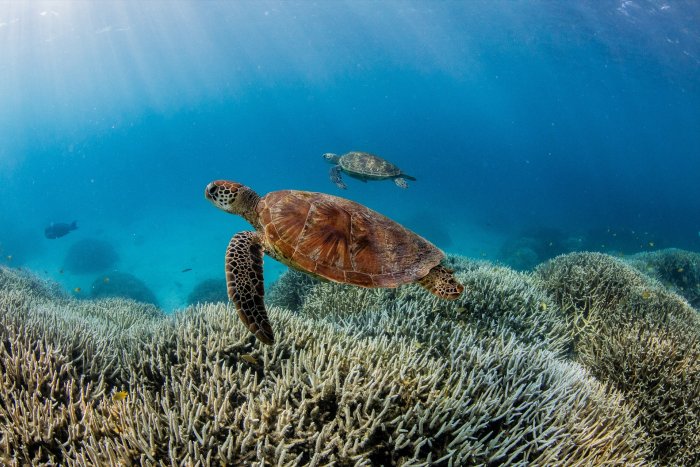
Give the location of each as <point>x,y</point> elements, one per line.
<point>680,269</point>
<point>646,295</point>
<point>106,280</point>
<point>543,306</point>
<point>76,290</point>
<point>249,358</point>
<point>119,396</point>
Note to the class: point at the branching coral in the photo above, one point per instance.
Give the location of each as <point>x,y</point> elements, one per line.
<point>200,391</point>
<point>645,340</point>
<point>290,290</point>
<point>678,270</point>
<point>496,301</point>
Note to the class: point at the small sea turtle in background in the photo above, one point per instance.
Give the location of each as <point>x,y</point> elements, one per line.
<point>326,236</point>
<point>364,166</point>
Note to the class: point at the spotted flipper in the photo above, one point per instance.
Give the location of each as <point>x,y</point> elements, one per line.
<point>401,182</point>
<point>244,282</point>
<point>336,178</point>
<point>442,282</point>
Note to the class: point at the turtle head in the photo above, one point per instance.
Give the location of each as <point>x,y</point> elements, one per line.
<point>233,198</point>
<point>330,157</point>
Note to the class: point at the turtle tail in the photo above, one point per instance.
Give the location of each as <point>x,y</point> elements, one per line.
<point>408,177</point>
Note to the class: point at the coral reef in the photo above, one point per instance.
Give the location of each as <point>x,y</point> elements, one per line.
<point>535,245</point>
<point>122,284</point>
<point>497,302</point>
<point>678,270</point>
<point>631,332</point>
<point>90,256</point>
<point>114,382</point>
<point>208,291</point>
<point>290,290</point>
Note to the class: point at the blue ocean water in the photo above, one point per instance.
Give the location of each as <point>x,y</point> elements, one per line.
<point>546,126</point>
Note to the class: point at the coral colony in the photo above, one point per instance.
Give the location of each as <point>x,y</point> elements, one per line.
<point>584,361</point>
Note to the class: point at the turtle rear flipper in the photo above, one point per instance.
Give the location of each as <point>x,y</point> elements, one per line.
<point>336,178</point>
<point>442,282</point>
<point>400,182</point>
<point>245,285</point>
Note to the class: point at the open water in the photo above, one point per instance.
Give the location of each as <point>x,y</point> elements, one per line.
<point>533,128</point>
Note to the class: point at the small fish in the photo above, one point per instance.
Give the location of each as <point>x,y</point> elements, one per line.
<point>543,306</point>
<point>646,295</point>
<point>59,229</point>
<point>119,396</point>
<point>186,269</point>
<point>249,358</point>
<point>60,271</point>
<point>460,309</point>
<point>651,244</point>
<point>76,290</point>
<point>9,257</point>
<point>106,280</point>
<point>680,269</point>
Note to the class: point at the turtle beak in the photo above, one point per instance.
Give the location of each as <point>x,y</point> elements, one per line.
<point>210,191</point>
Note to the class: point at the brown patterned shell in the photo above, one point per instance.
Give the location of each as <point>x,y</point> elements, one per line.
<point>343,241</point>
<point>363,163</point>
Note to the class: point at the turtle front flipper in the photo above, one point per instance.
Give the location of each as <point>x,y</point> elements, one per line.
<point>245,285</point>
<point>336,178</point>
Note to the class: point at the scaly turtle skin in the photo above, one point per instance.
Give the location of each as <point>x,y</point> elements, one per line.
<point>364,166</point>
<point>323,235</point>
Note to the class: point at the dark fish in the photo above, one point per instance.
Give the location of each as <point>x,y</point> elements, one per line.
<point>59,229</point>
<point>186,269</point>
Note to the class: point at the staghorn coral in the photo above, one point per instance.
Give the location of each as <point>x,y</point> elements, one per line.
<point>677,269</point>
<point>290,290</point>
<point>645,340</point>
<point>33,286</point>
<point>199,391</point>
<point>497,301</point>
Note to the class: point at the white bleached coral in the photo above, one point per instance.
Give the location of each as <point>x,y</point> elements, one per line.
<point>201,391</point>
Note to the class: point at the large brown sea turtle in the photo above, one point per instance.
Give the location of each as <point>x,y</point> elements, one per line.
<point>326,236</point>
<point>364,166</point>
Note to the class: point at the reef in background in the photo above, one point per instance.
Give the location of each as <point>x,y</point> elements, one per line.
<point>90,256</point>
<point>584,361</point>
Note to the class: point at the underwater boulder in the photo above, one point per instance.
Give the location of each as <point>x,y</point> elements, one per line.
<point>89,256</point>
<point>208,291</point>
<point>122,284</point>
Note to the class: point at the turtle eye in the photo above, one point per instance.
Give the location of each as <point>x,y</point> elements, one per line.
<point>213,190</point>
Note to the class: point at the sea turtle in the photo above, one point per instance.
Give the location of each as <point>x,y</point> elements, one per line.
<point>364,166</point>
<point>326,236</point>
